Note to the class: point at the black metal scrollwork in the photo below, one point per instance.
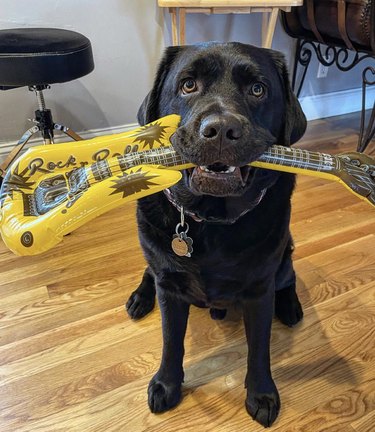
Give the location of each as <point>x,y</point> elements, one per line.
<point>366,135</point>
<point>328,55</point>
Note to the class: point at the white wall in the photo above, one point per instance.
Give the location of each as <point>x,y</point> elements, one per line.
<point>128,37</point>
<point>127,40</point>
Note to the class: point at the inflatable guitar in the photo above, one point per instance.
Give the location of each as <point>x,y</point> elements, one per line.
<point>52,190</point>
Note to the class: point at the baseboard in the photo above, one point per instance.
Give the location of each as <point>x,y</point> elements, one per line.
<point>5,148</point>
<point>314,107</point>
<point>337,103</point>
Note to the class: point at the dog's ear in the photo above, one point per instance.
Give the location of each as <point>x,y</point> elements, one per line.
<point>149,110</point>
<point>295,120</point>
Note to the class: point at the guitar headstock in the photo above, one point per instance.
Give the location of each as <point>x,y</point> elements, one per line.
<point>357,172</point>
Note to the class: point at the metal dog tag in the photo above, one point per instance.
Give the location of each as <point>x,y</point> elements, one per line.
<point>182,245</point>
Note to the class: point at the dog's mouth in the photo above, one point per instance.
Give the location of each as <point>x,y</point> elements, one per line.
<point>224,172</point>
<point>219,179</point>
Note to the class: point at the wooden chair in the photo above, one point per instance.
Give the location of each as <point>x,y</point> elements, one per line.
<point>269,9</point>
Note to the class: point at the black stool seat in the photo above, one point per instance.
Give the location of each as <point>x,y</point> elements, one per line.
<point>41,56</point>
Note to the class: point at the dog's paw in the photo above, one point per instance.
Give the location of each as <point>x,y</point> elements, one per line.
<point>288,309</point>
<point>263,407</point>
<point>162,396</point>
<point>139,305</point>
<point>218,314</point>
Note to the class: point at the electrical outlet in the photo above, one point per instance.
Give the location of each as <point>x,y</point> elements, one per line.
<point>322,71</point>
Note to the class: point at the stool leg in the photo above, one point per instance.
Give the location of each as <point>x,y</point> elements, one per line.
<point>173,12</point>
<point>265,19</point>
<point>271,28</point>
<point>17,149</point>
<point>68,131</point>
<point>181,24</point>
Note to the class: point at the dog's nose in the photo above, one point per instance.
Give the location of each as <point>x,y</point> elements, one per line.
<point>226,128</point>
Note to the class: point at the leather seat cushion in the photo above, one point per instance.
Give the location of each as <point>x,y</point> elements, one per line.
<point>40,56</point>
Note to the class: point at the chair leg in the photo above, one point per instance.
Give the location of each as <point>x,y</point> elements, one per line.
<point>302,57</point>
<point>366,134</point>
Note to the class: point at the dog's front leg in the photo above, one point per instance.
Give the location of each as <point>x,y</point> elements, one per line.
<point>142,300</point>
<point>164,391</point>
<point>262,401</point>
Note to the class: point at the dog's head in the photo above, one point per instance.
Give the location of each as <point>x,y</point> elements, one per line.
<point>235,101</point>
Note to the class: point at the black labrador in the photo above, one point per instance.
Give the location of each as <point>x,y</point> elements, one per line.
<point>235,102</point>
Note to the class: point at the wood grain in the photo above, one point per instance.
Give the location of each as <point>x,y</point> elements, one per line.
<point>71,359</point>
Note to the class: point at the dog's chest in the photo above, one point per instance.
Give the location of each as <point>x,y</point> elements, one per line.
<point>221,288</point>
<point>229,265</point>
<point>224,276</point>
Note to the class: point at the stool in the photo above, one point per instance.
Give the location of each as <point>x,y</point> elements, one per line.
<point>36,58</point>
<point>269,8</point>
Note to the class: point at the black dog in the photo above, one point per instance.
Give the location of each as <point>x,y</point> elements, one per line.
<point>235,102</point>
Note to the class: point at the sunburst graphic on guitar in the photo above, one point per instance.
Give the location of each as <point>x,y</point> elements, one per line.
<point>133,182</point>
<point>17,181</point>
<point>151,134</point>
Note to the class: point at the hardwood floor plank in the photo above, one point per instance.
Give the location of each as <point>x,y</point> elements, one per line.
<point>38,317</point>
<point>34,295</point>
<point>331,241</point>
<point>327,224</point>
<point>338,413</point>
<point>327,197</point>
<point>325,275</point>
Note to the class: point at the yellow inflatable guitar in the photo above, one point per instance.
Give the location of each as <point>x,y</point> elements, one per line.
<point>52,190</point>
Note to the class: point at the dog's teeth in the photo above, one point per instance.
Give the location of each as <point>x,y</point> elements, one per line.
<point>204,168</point>
<point>224,171</point>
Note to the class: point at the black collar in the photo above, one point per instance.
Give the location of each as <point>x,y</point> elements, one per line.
<point>196,218</point>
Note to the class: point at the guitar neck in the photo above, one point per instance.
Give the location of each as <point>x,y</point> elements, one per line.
<point>280,158</point>
<point>277,157</point>
<point>294,160</point>
<point>164,156</point>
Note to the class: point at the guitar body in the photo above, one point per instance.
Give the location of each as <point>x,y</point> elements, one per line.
<point>53,189</point>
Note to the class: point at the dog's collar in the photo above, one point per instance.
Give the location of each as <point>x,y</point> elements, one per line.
<point>172,200</point>
<point>170,197</point>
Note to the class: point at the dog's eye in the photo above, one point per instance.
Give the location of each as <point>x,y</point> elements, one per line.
<point>189,86</point>
<point>257,89</point>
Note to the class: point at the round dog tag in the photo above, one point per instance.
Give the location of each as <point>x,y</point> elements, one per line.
<point>179,246</point>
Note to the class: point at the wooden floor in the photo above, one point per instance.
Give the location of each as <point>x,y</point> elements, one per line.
<point>72,360</point>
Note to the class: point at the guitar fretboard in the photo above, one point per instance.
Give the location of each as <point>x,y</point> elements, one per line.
<point>276,155</point>
<point>299,158</point>
<point>165,156</point>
